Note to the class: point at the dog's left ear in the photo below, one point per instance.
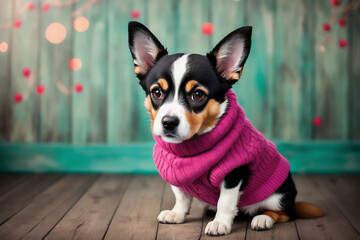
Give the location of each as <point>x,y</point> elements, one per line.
<point>145,48</point>
<point>230,54</point>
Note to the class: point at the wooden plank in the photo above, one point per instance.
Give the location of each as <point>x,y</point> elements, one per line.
<point>332,79</point>
<point>255,89</point>
<point>354,73</point>
<point>123,90</point>
<point>55,114</point>
<point>24,50</point>
<point>90,216</point>
<point>279,231</point>
<point>294,70</point>
<point>10,181</point>
<point>331,226</point>
<point>191,229</point>
<point>343,190</point>
<point>46,209</point>
<point>192,15</point>
<point>6,99</point>
<point>135,218</point>
<point>89,107</point>
<point>21,196</point>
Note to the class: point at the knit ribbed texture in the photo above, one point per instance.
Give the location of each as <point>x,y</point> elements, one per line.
<point>200,164</point>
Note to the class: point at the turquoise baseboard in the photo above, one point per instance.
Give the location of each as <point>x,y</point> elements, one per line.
<point>309,157</point>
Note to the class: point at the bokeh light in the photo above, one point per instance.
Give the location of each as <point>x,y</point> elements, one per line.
<point>26,72</point>
<point>55,33</point>
<point>81,24</point>
<point>317,121</point>
<point>78,87</point>
<point>18,97</point>
<point>17,23</point>
<point>31,6</point>
<point>207,28</point>
<point>135,14</point>
<point>46,7</point>
<point>75,64</point>
<point>40,89</point>
<point>3,47</point>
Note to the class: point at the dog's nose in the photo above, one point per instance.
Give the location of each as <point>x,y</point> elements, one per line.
<point>170,122</point>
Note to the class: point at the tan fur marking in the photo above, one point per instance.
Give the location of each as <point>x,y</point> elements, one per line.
<point>307,210</point>
<point>207,118</point>
<point>235,75</point>
<point>151,111</point>
<point>189,85</point>
<point>278,216</point>
<point>137,70</point>
<point>163,84</point>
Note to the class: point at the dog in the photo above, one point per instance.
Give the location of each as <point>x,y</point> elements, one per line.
<point>205,147</point>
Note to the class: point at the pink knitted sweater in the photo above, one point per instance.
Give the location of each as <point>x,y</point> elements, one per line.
<point>200,164</point>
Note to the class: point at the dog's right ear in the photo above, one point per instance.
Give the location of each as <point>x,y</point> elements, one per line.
<point>145,48</point>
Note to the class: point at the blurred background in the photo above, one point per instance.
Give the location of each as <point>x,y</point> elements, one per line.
<point>69,100</point>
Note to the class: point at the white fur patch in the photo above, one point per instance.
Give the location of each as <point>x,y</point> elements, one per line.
<point>226,211</point>
<point>174,108</point>
<point>270,203</point>
<point>179,211</point>
<point>262,222</point>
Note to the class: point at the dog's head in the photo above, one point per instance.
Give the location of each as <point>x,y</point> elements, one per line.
<point>185,93</point>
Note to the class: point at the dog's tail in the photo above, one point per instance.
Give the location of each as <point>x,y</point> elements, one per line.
<point>307,210</point>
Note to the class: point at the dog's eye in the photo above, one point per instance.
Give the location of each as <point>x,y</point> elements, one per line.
<point>156,93</point>
<point>198,95</point>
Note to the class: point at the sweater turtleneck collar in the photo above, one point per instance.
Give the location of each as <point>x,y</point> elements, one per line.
<point>206,141</point>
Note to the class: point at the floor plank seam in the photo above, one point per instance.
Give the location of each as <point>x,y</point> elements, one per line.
<point>202,223</point>
<point>80,196</point>
<point>161,207</point>
<point>335,204</point>
<point>247,229</point>
<point>31,200</point>
<point>117,205</point>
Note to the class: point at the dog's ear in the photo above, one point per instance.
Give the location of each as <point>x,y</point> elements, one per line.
<point>145,48</point>
<point>230,54</point>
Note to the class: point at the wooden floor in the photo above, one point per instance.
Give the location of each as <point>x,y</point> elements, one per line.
<point>51,206</point>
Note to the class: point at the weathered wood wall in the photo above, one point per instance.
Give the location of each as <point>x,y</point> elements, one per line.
<point>286,82</point>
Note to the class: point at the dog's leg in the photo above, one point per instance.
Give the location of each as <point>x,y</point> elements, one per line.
<point>226,211</point>
<point>179,211</point>
<point>267,219</point>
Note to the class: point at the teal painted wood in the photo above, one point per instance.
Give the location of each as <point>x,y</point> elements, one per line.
<point>331,79</point>
<point>255,89</point>
<point>24,50</point>
<point>294,70</point>
<point>55,107</point>
<point>192,14</point>
<point>354,74</point>
<point>89,108</point>
<point>309,157</point>
<point>122,118</point>
<point>6,100</point>
<point>308,83</point>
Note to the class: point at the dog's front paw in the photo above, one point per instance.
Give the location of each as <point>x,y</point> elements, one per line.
<point>168,216</point>
<point>262,222</point>
<point>216,228</point>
